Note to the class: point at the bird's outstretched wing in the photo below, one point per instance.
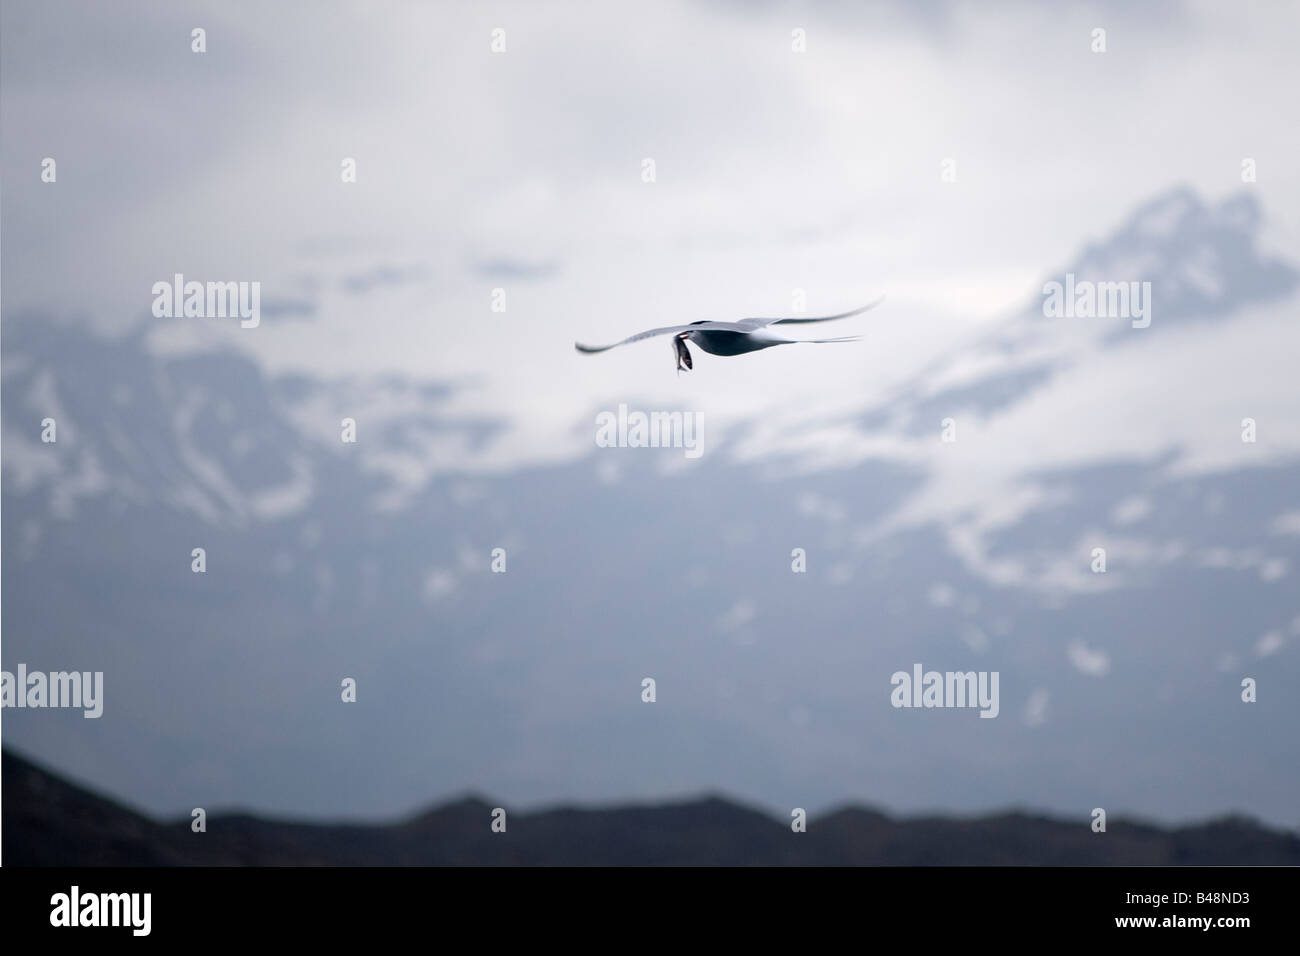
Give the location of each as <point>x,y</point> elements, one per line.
<point>744,325</point>
<point>694,326</point>
<point>760,323</point>
<point>631,338</point>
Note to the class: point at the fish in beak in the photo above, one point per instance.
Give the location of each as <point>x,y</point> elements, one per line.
<point>683,355</point>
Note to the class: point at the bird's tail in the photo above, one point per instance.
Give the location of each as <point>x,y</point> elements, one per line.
<point>842,338</point>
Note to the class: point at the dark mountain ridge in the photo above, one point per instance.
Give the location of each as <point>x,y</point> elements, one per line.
<point>49,821</point>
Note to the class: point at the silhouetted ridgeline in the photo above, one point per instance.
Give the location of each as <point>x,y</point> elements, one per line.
<point>49,822</point>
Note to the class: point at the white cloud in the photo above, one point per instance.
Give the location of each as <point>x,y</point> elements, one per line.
<point>439,583</point>
<point>1036,708</point>
<point>1131,510</point>
<point>1091,661</point>
<point>1269,644</point>
<point>740,614</point>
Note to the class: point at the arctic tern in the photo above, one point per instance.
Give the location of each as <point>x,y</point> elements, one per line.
<point>730,338</point>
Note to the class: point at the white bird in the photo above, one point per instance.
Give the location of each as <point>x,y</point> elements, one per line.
<point>730,338</point>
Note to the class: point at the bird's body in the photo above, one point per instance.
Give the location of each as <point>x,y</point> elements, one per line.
<point>728,338</point>
<point>723,342</point>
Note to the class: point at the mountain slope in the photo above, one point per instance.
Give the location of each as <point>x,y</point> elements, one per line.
<point>49,822</point>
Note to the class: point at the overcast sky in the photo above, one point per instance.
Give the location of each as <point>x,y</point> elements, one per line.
<point>522,170</point>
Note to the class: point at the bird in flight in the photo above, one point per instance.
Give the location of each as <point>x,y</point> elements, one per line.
<point>730,338</point>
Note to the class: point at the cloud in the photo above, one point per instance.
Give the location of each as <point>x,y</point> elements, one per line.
<point>740,614</point>
<point>361,283</point>
<point>439,583</point>
<point>1131,510</point>
<point>1286,523</point>
<point>1036,708</point>
<point>1093,662</point>
<point>504,269</point>
<point>1269,644</point>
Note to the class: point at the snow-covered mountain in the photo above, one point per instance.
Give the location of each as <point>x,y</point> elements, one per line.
<point>373,560</point>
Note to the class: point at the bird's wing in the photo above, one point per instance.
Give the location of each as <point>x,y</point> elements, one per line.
<point>694,326</point>
<point>757,323</point>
